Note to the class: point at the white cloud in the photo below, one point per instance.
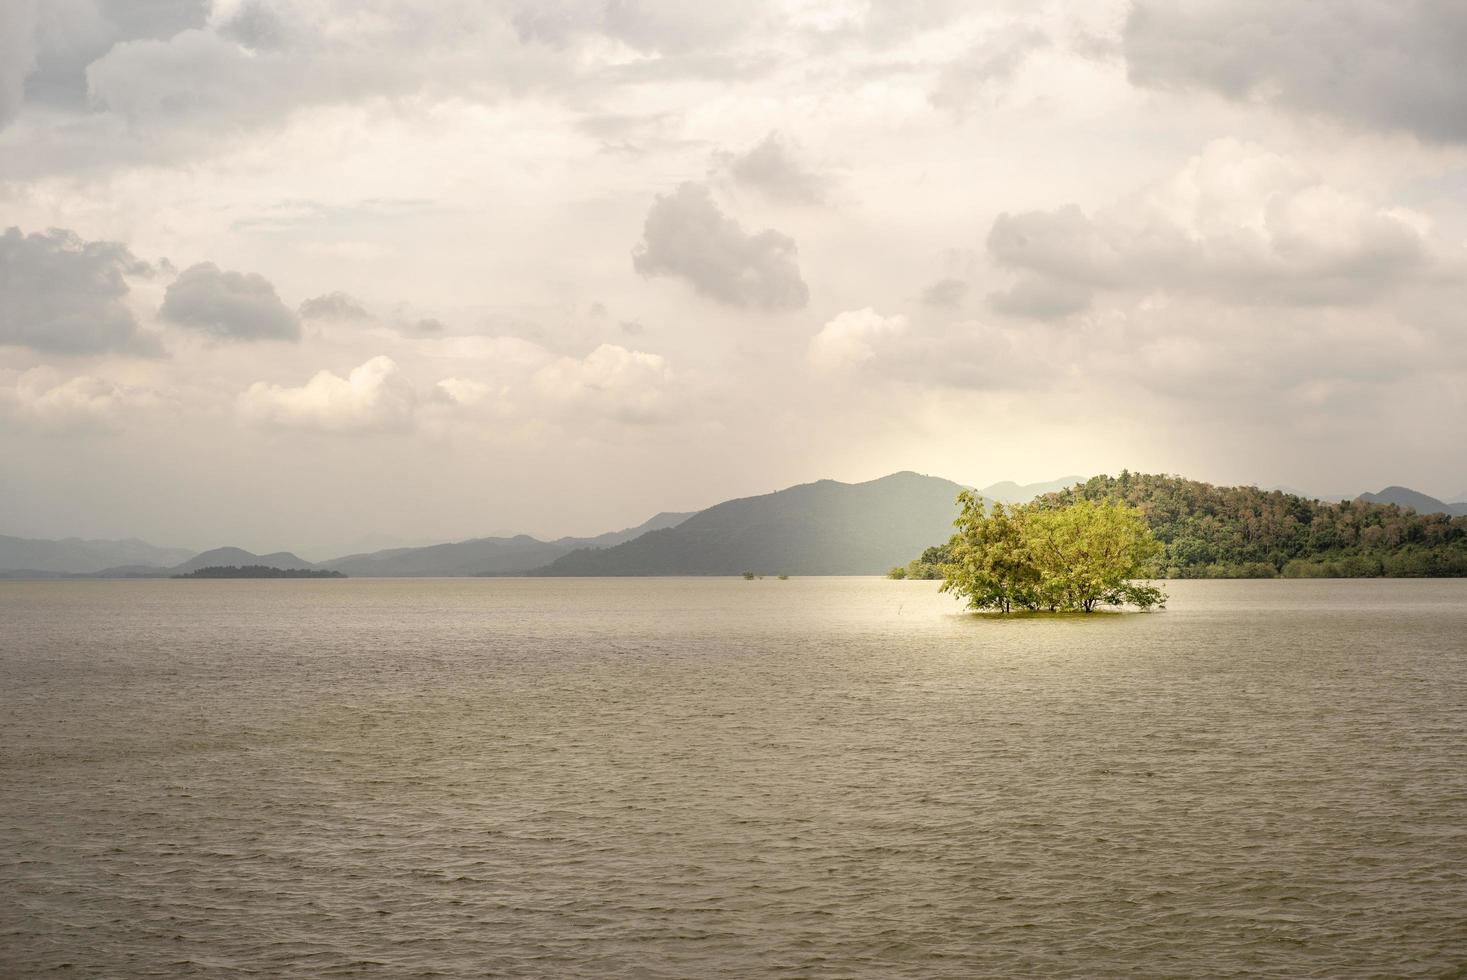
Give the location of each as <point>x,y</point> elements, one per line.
<point>850,340</point>
<point>50,402</point>
<point>610,383</point>
<point>374,397</point>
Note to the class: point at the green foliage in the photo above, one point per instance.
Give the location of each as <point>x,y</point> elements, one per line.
<point>1243,532</point>
<point>897,572</point>
<point>1077,557</point>
<point>748,576</point>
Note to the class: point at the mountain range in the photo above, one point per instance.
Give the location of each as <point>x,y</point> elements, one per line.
<point>1421,503</point>
<point>821,528</point>
<point>487,556</point>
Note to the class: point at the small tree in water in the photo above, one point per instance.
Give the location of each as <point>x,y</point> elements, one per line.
<point>1072,558</point>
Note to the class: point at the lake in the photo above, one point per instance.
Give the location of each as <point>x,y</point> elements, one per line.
<point>712,777</point>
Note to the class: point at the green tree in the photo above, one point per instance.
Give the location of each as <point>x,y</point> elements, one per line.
<point>988,563</point>
<point>1087,554</point>
<point>1076,557</point>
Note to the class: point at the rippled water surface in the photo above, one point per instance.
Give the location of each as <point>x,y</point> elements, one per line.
<point>669,778</point>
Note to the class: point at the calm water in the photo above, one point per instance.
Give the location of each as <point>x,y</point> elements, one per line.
<point>649,778</point>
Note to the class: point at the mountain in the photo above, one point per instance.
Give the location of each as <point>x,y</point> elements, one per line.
<point>1415,499</point>
<point>1009,492</point>
<point>78,556</point>
<point>486,556</point>
<point>238,556</point>
<point>823,528</point>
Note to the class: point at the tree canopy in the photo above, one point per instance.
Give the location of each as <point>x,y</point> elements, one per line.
<point>1209,531</point>
<point>1078,557</point>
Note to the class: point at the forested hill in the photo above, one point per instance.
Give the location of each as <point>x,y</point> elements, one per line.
<point>1243,532</point>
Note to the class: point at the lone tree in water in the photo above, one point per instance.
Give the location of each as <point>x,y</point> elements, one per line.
<point>1071,558</point>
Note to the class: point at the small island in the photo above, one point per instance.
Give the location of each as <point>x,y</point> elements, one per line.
<point>258,571</point>
<point>1077,558</point>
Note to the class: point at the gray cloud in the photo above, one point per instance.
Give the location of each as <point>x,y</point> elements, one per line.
<point>63,294</point>
<point>688,237</point>
<point>17,53</point>
<point>228,305</point>
<point>71,34</point>
<point>333,306</point>
<point>992,61</point>
<point>1237,223</point>
<point>1041,298</point>
<point>1377,63</point>
<point>255,25</point>
<point>667,26</point>
<point>772,167</point>
<point>945,294</point>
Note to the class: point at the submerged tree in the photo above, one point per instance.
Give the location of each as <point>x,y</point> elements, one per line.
<point>988,563</point>
<point>1076,557</point>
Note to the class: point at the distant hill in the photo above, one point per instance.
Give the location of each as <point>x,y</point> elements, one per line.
<point>1415,499</point>
<point>823,528</point>
<point>486,556</point>
<point>78,556</point>
<point>1009,492</point>
<point>238,556</point>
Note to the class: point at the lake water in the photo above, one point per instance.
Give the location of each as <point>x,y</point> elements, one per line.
<point>685,777</point>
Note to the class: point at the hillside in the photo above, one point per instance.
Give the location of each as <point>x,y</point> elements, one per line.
<point>486,556</point>
<point>238,557</point>
<point>1227,532</point>
<point>823,528</point>
<point>79,556</point>
<point>1406,497</point>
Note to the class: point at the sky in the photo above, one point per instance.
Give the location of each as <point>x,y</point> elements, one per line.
<point>334,274</point>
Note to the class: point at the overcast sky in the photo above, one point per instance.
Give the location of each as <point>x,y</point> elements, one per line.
<point>325,274</point>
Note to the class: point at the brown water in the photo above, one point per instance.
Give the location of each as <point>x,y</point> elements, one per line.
<point>649,778</point>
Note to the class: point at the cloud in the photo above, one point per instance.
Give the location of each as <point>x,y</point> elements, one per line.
<point>850,339</point>
<point>991,62</point>
<point>63,294</point>
<point>17,53</point>
<point>82,404</point>
<point>1380,64</point>
<point>1236,222</point>
<point>333,306</point>
<point>937,352</point>
<point>686,236</point>
<point>375,397</point>
<point>228,305</point>
<point>71,34</point>
<point>772,167</point>
<point>666,26</point>
<point>609,383</point>
<point>945,294</point>
<point>1041,297</point>
<point>255,62</point>
<point>253,24</point>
